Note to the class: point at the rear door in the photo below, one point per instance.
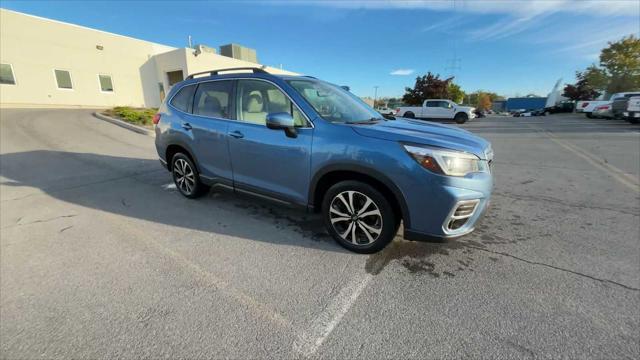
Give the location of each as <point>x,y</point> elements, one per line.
<point>208,124</point>
<point>431,110</point>
<point>267,161</point>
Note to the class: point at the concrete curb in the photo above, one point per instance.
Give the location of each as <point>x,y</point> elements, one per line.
<point>126,125</point>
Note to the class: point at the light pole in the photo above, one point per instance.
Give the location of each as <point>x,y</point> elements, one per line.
<point>375,96</point>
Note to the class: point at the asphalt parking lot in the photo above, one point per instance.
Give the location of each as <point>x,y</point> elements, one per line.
<point>101,258</point>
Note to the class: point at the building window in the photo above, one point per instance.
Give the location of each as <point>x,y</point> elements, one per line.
<point>6,74</point>
<point>174,77</point>
<point>106,85</point>
<point>63,78</point>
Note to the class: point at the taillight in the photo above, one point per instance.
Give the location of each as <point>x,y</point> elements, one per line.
<point>397,110</point>
<point>156,119</point>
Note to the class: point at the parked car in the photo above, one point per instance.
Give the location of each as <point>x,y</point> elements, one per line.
<point>602,112</point>
<point>620,104</point>
<point>587,107</point>
<point>479,113</point>
<point>560,107</point>
<point>386,111</point>
<point>632,112</point>
<point>253,133</point>
<point>438,109</point>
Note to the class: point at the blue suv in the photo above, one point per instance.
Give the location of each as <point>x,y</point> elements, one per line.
<point>302,141</point>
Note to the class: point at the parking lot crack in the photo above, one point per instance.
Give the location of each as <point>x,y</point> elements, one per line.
<point>554,267</point>
<point>18,223</point>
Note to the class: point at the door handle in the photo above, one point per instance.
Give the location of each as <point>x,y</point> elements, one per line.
<point>186,126</point>
<point>236,134</point>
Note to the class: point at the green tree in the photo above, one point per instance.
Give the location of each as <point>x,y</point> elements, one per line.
<point>455,93</point>
<point>621,61</point>
<point>428,86</point>
<point>595,77</point>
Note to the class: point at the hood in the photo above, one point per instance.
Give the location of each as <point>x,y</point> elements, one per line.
<point>464,108</point>
<point>427,133</point>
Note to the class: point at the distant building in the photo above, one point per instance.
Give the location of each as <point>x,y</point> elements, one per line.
<point>49,63</point>
<point>499,105</point>
<point>526,103</point>
<point>239,52</point>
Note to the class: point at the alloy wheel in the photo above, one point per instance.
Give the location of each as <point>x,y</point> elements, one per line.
<point>184,176</point>
<point>355,217</point>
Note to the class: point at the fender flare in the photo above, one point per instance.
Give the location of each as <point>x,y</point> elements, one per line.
<point>367,171</point>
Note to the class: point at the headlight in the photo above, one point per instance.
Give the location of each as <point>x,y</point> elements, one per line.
<point>446,162</point>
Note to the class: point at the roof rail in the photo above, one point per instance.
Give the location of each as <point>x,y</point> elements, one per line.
<point>215,72</point>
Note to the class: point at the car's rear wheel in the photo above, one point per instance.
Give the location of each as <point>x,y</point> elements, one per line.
<point>359,217</point>
<point>461,118</point>
<point>589,115</point>
<point>186,177</point>
<point>409,115</point>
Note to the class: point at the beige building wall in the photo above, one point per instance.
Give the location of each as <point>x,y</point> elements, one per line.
<point>35,47</point>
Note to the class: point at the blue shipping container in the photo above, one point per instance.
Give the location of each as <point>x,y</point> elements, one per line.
<point>527,103</point>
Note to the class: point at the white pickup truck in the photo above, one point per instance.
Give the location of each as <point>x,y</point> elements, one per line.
<point>437,109</point>
<point>632,113</point>
<point>588,106</point>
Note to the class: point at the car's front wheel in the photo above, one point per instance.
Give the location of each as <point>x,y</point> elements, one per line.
<point>461,118</point>
<point>359,217</point>
<point>186,177</point>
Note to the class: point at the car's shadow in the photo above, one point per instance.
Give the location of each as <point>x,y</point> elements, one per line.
<point>142,189</point>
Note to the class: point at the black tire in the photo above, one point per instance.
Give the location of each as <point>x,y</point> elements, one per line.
<point>349,198</point>
<point>633,120</point>
<point>589,115</point>
<point>409,115</point>
<point>189,186</point>
<point>461,118</point>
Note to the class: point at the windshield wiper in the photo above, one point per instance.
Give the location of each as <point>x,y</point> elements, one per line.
<point>373,120</point>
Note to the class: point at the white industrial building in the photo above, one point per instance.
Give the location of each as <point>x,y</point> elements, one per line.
<point>48,63</point>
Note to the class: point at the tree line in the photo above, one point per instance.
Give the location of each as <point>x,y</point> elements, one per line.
<point>618,71</point>
<point>431,86</point>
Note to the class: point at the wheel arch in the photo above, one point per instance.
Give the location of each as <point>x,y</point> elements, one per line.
<point>176,148</point>
<point>325,178</point>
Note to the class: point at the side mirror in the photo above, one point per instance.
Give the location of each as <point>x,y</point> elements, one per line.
<point>282,121</point>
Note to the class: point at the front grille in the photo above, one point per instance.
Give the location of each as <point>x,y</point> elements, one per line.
<point>461,214</point>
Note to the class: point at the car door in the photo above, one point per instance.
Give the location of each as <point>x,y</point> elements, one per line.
<point>266,161</point>
<point>208,124</point>
<point>431,110</point>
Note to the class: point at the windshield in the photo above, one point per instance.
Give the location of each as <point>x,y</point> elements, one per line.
<point>334,103</point>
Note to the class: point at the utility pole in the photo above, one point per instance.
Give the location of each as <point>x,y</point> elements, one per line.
<point>375,96</point>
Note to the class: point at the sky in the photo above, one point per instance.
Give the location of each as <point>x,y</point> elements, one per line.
<point>513,48</point>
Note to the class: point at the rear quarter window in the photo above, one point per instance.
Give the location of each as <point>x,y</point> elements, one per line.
<point>183,100</point>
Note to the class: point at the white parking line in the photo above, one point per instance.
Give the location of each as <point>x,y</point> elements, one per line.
<point>322,326</point>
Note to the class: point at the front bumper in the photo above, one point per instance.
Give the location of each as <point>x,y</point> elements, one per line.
<point>444,211</point>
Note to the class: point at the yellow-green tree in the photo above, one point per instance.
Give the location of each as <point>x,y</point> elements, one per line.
<point>484,101</point>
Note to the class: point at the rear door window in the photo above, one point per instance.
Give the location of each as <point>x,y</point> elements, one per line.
<point>184,98</point>
<point>212,99</point>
